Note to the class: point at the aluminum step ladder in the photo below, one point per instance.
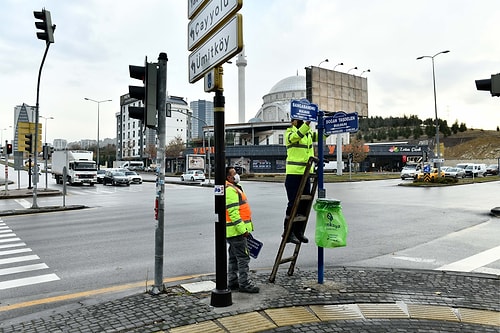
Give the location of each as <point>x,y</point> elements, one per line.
<point>308,199</point>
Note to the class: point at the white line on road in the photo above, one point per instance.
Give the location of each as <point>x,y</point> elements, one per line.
<point>8,235</point>
<point>473,262</point>
<point>7,246</point>
<point>415,259</point>
<point>23,202</point>
<point>18,259</point>
<point>7,240</point>
<point>28,281</point>
<point>5,253</point>
<point>21,269</point>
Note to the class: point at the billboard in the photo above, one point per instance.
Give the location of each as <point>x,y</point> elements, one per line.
<point>335,91</point>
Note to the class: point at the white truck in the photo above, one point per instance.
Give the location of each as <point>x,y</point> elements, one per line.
<point>80,167</point>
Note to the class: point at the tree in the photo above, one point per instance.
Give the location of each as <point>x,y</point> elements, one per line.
<point>175,147</point>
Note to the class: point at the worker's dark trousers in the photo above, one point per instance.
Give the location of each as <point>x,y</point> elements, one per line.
<point>292,184</point>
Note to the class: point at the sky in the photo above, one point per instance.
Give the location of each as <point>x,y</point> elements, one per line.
<point>96,41</point>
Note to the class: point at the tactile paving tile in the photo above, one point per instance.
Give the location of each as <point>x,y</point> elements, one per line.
<point>246,323</point>
<point>291,316</point>
<point>336,312</point>
<point>382,310</point>
<point>203,327</point>
<point>483,317</point>
<point>433,312</point>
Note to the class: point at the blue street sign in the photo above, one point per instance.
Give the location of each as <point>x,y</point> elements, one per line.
<point>342,122</point>
<point>303,110</point>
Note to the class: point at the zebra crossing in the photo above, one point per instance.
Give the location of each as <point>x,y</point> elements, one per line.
<point>18,265</point>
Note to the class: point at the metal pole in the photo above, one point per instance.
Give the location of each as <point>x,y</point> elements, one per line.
<point>221,295</point>
<point>321,189</point>
<point>437,120</point>
<point>160,183</point>
<point>97,157</point>
<point>35,139</point>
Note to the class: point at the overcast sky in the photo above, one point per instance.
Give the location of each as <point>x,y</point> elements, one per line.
<point>96,41</point>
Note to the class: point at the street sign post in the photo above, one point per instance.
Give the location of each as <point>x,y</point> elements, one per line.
<point>342,122</point>
<point>211,17</point>
<point>220,47</point>
<point>303,110</point>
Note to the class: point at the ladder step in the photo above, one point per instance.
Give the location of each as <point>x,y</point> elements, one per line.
<point>285,260</point>
<point>300,218</point>
<point>306,197</point>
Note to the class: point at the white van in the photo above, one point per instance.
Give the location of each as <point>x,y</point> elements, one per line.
<point>133,165</point>
<point>475,170</point>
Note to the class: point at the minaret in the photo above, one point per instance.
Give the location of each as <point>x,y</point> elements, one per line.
<point>241,62</point>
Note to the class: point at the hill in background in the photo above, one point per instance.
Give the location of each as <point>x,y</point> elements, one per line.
<point>472,144</point>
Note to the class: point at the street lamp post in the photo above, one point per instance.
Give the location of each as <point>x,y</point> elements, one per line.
<point>98,104</point>
<point>435,106</point>
<point>326,60</point>
<point>339,64</point>
<point>46,118</point>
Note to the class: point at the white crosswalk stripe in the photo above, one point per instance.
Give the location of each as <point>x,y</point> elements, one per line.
<point>18,267</point>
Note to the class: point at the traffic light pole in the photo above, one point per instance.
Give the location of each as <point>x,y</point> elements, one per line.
<point>221,295</point>
<point>35,139</point>
<point>160,183</point>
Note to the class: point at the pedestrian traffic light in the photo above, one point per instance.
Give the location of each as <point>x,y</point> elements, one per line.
<point>9,148</point>
<point>28,143</point>
<point>492,85</point>
<point>147,94</point>
<point>47,33</point>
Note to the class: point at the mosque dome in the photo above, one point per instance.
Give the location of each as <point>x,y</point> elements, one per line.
<point>296,82</point>
<point>276,103</point>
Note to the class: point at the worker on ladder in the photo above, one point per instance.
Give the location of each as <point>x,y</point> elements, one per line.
<point>299,148</point>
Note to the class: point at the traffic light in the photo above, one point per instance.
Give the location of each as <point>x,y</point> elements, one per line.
<point>147,94</point>
<point>47,33</point>
<point>47,151</point>
<point>9,148</point>
<point>492,85</point>
<point>28,143</point>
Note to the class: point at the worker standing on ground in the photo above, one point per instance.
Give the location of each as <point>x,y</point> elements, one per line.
<point>238,227</point>
<point>299,148</point>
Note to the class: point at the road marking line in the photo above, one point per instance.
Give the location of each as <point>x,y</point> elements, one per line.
<point>488,270</point>
<point>414,259</point>
<point>4,253</point>
<point>21,269</point>
<point>18,259</point>
<point>23,202</point>
<point>14,239</point>
<point>5,231</point>
<point>8,235</point>
<point>7,246</point>
<point>473,262</point>
<point>96,292</point>
<point>28,281</point>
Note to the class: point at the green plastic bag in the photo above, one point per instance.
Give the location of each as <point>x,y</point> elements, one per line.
<point>331,227</point>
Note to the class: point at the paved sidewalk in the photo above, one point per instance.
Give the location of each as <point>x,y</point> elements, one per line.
<point>350,300</point>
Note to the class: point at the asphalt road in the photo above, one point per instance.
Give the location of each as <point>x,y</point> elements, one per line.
<point>112,242</point>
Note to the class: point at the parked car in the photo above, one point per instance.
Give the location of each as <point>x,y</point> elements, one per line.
<point>492,169</point>
<point>100,175</point>
<point>133,177</point>
<point>193,175</point>
<point>433,174</point>
<point>475,170</point>
<point>454,172</point>
<point>409,171</point>
<point>114,177</point>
